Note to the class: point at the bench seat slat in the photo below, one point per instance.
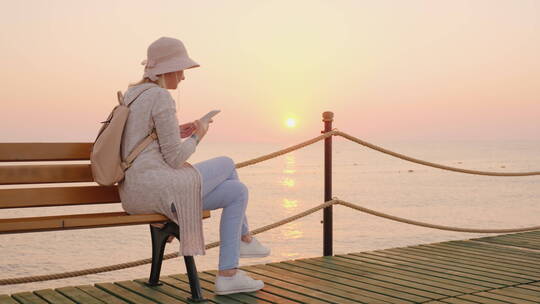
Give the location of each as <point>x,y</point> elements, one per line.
<point>44,151</point>
<point>79,221</point>
<point>58,196</point>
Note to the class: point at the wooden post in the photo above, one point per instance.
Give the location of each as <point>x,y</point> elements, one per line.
<point>328,117</point>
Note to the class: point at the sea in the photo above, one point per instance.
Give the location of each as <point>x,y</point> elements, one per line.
<point>294,182</point>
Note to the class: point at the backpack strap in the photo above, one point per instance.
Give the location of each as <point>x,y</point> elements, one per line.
<point>143,144</point>
<point>138,149</point>
<point>136,96</point>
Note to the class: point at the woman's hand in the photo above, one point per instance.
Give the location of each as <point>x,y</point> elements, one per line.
<point>187,129</point>
<point>200,129</point>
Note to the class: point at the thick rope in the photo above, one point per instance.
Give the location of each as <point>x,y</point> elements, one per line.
<point>289,219</point>
<point>426,163</point>
<point>286,150</point>
<point>440,227</point>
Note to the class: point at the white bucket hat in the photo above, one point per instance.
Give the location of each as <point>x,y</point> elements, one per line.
<point>166,55</point>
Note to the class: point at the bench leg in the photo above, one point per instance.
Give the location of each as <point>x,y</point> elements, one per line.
<point>196,294</point>
<point>159,240</point>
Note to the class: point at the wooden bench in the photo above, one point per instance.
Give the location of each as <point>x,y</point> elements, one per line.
<point>62,172</point>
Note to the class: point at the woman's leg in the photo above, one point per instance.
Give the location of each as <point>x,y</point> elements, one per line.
<point>232,196</point>
<point>216,170</point>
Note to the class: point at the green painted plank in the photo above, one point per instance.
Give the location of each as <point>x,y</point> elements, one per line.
<point>458,301</point>
<point>28,298</point>
<point>411,255</point>
<point>523,291</point>
<point>148,292</point>
<point>52,296</point>
<point>473,264</point>
<point>478,275</point>
<point>435,271</point>
<point>176,284</point>
<point>261,294</point>
<point>531,237</point>
<point>480,299</point>
<point>364,277</point>
<point>358,290</point>
<point>505,299</point>
<point>361,273</point>
<point>502,252</point>
<point>476,257</point>
<point>499,249</point>
<point>516,293</point>
<point>173,291</point>
<point>510,242</point>
<point>523,238</point>
<point>531,287</point>
<point>385,274</point>
<point>493,255</point>
<point>313,283</point>
<point>295,292</point>
<point>527,235</point>
<point>5,299</point>
<point>525,244</point>
<point>77,295</point>
<point>479,242</point>
<point>432,274</point>
<point>123,293</point>
<point>100,294</point>
<point>416,276</point>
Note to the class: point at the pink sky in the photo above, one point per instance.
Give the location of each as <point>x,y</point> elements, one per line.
<point>389,70</point>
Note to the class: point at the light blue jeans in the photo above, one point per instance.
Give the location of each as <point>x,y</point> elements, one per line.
<point>222,189</point>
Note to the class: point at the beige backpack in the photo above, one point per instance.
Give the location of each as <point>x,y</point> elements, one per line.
<point>105,156</point>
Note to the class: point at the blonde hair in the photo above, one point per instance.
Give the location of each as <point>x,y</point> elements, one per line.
<point>160,81</point>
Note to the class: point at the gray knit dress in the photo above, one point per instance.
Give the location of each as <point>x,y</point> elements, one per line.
<point>160,176</point>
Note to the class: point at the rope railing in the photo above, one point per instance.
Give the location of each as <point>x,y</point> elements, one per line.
<point>285,151</point>
<point>334,201</point>
<point>430,164</point>
<point>336,132</point>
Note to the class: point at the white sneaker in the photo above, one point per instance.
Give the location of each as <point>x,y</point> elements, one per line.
<point>253,249</point>
<point>239,282</point>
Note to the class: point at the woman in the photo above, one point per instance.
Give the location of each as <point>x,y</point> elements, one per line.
<point>160,180</point>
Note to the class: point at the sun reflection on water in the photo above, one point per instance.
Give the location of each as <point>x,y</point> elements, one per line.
<point>289,204</point>
<point>291,231</point>
<point>290,159</point>
<point>289,182</point>
<point>290,255</point>
<point>290,162</point>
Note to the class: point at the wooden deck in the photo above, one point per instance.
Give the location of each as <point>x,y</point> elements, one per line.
<point>500,269</point>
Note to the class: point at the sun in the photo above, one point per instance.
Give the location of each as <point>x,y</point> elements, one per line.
<point>290,122</point>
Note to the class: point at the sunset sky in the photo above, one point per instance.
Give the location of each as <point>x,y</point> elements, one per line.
<point>389,70</point>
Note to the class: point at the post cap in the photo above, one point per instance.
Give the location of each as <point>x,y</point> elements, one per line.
<point>328,116</point>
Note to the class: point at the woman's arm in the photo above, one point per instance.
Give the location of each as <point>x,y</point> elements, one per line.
<point>175,151</point>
